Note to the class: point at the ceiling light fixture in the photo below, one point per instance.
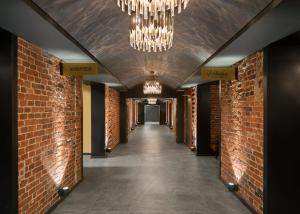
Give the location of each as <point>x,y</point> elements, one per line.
<point>152,86</point>
<point>152,8</point>
<point>152,101</point>
<point>151,34</point>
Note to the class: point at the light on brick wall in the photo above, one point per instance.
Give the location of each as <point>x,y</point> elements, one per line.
<point>239,167</point>
<point>57,169</point>
<point>237,157</point>
<point>60,156</point>
<point>242,120</point>
<point>49,129</point>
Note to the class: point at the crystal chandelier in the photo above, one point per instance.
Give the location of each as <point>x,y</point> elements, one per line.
<point>150,34</point>
<point>152,101</point>
<point>152,86</point>
<point>151,8</point>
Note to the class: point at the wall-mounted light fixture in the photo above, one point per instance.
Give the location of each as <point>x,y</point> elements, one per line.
<point>63,191</point>
<point>232,187</point>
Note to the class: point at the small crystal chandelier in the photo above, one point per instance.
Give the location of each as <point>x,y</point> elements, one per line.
<point>152,101</point>
<point>152,86</point>
<point>150,34</point>
<point>151,8</point>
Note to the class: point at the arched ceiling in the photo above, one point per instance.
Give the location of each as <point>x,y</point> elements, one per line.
<point>202,29</point>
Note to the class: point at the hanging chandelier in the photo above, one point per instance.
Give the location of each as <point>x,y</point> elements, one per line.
<point>152,101</point>
<point>150,34</point>
<point>151,8</point>
<point>152,22</point>
<point>152,86</point>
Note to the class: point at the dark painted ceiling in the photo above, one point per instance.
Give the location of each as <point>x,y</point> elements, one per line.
<point>200,31</point>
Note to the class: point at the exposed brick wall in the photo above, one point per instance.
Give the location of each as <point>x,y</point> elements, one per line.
<point>112,117</point>
<point>49,129</point>
<point>192,93</point>
<point>171,105</point>
<point>174,111</point>
<point>242,130</point>
<point>215,118</point>
<point>168,113</point>
<point>134,113</point>
<point>130,114</point>
<point>194,115</point>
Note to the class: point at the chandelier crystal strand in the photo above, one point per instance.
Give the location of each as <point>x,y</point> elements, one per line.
<point>150,34</point>
<point>152,8</point>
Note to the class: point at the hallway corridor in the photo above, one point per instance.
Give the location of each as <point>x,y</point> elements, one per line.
<point>151,174</point>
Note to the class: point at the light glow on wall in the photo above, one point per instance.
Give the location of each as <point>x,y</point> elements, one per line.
<point>59,160</point>
<point>235,151</point>
<point>56,159</point>
<point>237,158</point>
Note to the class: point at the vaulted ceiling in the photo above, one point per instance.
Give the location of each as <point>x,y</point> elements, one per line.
<point>200,31</point>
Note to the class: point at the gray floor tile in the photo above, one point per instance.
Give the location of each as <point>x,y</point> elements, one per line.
<point>151,174</point>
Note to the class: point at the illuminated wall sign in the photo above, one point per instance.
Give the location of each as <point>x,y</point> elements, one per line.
<point>79,69</point>
<point>229,73</point>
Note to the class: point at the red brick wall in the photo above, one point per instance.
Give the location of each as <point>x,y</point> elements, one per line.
<point>112,117</point>
<point>174,112</point>
<point>49,129</point>
<point>194,116</point>
<point>192,93</point>
<point>242,130</point>
<point>171,117</point>
<point>187,93</point>
<point>129,103</point>
<point>215,117</point>
<point>134,114</point>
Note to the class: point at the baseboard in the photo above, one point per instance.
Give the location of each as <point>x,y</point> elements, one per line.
<point>51,209</point>
<point>240,198</point>
<point>86,153</point>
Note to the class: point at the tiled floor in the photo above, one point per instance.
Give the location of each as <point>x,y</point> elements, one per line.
<point>152,175</point>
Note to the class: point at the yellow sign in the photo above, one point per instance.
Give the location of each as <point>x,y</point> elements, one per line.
<point>79,69</point>
<point>229,73</point>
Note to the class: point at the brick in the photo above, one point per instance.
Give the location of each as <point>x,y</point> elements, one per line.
<point>215,118</point>
<point>112,117</point>
<point>192,92</point>
<point>45,120</point>
<point>242,130</point>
